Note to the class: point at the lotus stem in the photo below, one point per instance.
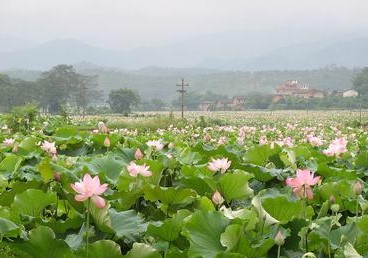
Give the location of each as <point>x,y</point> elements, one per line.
<point>87,226</point>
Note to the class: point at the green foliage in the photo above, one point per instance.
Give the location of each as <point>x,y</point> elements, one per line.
<point>22,118</point>
<point>203,230</point>
<point>360,81</point>
<point>43,244</point>
<point>122,100</point>
<point>175,213</point>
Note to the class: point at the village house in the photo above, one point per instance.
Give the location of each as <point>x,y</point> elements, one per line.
<point>296,89</point>
<point>347,93</point>
<point>235,103</point>
<point>350,93</point>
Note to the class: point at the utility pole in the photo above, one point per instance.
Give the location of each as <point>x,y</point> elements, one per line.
<point>182,91</point>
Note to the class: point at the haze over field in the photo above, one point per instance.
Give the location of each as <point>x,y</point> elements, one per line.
<point>216,34</point>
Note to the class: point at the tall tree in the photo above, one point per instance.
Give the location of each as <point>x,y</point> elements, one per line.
<point>360,82</point>
<point>86,91</point>
<point>57,85</point>
<point>6,92</point>
<point>122,100</point>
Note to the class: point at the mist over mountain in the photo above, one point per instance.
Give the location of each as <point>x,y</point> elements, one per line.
<point>293,49</point>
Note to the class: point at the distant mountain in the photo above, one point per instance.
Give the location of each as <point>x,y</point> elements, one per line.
<point>349,53</point>
<point>238,50</point>
<point>65,51</point>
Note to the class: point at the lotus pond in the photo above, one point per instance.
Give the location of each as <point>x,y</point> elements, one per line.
<point>236,185</point>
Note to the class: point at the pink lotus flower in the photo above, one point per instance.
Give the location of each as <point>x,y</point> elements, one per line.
<point>262,140</point>
<point>107,142</point>
<point>49,147</point>
<point>138,154</point>
<point>90,188</point>
<point>135,170</point>
<point>302,183</point>
<point>8,142</point>
<point>219,165</point>
<point>217,198</point>
<point>336,147</point>
<point>314,140</point>
<point>157,145</point>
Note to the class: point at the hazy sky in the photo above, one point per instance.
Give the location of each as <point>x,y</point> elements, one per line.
<point>123,24</point>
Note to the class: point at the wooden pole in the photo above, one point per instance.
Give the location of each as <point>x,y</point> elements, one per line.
<point>182,91</point>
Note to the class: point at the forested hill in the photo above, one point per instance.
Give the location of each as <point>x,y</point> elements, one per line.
<point>155,82</point>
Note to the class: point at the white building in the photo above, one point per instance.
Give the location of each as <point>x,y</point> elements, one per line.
<point>350,93</point>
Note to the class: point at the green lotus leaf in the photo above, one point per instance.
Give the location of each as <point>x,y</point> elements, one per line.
<point>263,214</point>
<point>46,169</point>
<point>343,234</point>
<point>104,248</point>
<point>8,228</point>
<point>189,157</point>
<point>170,229</point>
<point>281,207</point>
<point>98,139</point>
<point>141,250</point>
<point>29,146</point>
<point>361,160</point>
<point>110,166</point>
<point>260,154</point>
<point>174,252</point>
<point>10,165</point>
<point>341,190</point>
<point>236,241</point>
<point>43,244</point>
<point>66,132</point>
<point>199,179</point>
<point>204,204</point>
<point>234,186</point>
<point>17,187</point>
<point>3,183</point>
<point>75,240</point>
<point>169,196</point>
<point>350,252</point>
<point>156,167</point>
<point>325,171</point>
<point>32,202</point>
<point>101,217</point>
<point>127,224</point>
<point>263,174</point>
<point>203,230</point>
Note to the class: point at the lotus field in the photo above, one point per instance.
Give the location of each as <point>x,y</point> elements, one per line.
<point>274,185</point>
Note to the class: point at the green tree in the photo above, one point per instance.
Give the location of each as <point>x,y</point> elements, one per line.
<point>360,82</point>
<point>6,92</point>
<point>122,100</point>
<point>86,92</point>
<point>57,85</point>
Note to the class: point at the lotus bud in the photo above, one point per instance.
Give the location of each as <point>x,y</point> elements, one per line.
<point>138,154</point>
<point>358,188</point>
<point>171,145</point>
<point>335,207</point>
<point>279,239</point>
<point>309,255</point>
<point>206,137</point>
<point>57,176</point>
<point>15,148</point>
<point>107,142</point>
<point>217,198</point>
<point>54,157</point>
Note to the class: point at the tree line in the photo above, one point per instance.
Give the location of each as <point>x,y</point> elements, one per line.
<point>62,86</point>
